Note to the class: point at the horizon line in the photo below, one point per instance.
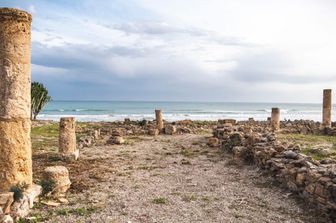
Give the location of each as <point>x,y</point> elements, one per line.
<point>177,101</point>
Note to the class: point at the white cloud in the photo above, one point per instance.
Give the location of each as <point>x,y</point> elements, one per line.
<point>258,47</point>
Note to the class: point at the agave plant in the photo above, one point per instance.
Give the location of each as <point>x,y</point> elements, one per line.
<point>39,98</point>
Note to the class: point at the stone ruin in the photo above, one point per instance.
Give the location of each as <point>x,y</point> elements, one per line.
<point>256,142</point>
<point>15,125</point>
<point>67,138</point>
<point>17,191</point>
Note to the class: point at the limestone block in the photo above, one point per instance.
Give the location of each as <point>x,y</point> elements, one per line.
<point>159,119</point>
<point>170,129</point>
<point>227,121</point>
<point>21,208</point>
<point>15,44</point>
<point>6,200</point>
<point>116,140</point>
<point>15,150</point>
<point>59,176</point>
<point>213,142</point>
<point>153,132</point>
<point>67,137</point>
<point>327,106</point>
<point>275,119</point>
<point>97,134</point>
<point>7,219</point>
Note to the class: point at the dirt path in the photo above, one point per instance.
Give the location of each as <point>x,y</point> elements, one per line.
<point>173,179</point>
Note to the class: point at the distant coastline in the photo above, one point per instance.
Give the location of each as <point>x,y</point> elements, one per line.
<point>173,111</point>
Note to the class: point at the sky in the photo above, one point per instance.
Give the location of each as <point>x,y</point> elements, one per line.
<point>183,50</point>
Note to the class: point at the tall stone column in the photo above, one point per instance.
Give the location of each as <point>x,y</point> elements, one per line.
<point>327,105</point>
<point>275,119</point>
<point>159,120</point>
<point>15,104</point>
<point>67,137</point>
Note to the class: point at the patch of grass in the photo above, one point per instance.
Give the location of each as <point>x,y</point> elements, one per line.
<point>81,211</point>
<point>310,142</point>
<point>309,139</point>
<point>188,152</point>
<point>189,198</point>
<point>35,218</point>
<point>50,130</point>
<point>160,200</point>
<point>317,155</point>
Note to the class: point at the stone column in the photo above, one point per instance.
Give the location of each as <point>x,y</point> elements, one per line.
<point>159,120</point>
<point>327,105</point>
<point>275,119</point>
<point>15,104</point>
<point>67,137</point>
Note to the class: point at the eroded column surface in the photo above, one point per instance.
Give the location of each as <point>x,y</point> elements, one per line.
<point>275,119</point>
<point>159,120</point>
<point>327,105</point>
<point>15,143</point>
<point>67,137</point>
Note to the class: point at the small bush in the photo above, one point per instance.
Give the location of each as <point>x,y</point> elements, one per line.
<point>18,190</point>
<point>47,186</point>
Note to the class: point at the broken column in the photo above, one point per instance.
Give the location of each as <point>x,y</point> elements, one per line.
<point>159,120</point>
<point>275,119</point>
<point>57,181</point>
<point>327,105</point>
<point>15,99</point>
<point>67,138</point>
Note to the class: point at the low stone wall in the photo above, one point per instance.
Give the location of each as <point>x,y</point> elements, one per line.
<point>299,173</point>
<point>296,126</point>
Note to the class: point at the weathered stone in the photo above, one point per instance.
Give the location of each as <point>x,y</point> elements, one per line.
<point>116,140</point>
<point>213,142</point>
<point>153,132</point>
<point>275,119</point>
<point>290,154</point>
<point>117,132</point>
<point>15,144</point>
<point>59,178</point>
<point>170,129</point>
<point>327,106</point>
<point>159,120</point>
<point>300,179</point>
<point>21,208</point>
<point>6,200</point>
<point>96,134</point>
<point>127,121</point>
<point>7,219</point>
<point>226,121</point>
<point>86,141</point>
<point>67,137</point>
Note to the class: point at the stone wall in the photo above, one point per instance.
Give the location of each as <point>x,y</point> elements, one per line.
<point>313,180</point>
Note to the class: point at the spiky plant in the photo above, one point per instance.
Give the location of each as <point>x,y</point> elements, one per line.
<point>39,98</point>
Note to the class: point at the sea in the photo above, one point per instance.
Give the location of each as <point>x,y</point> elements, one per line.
<point>95,111</point>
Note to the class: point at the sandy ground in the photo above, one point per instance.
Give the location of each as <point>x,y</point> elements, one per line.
<point>171,179</point>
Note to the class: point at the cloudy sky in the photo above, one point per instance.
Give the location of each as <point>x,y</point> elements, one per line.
<point>183,50</point>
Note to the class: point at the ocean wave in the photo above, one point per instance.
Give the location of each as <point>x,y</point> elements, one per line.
<point>175,116</point>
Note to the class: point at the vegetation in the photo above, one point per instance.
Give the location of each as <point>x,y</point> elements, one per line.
<point>313,145</point>
<point>160,200</point>
<point>39,98</point>
<point>47,186</point>
<point>18,190</point>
